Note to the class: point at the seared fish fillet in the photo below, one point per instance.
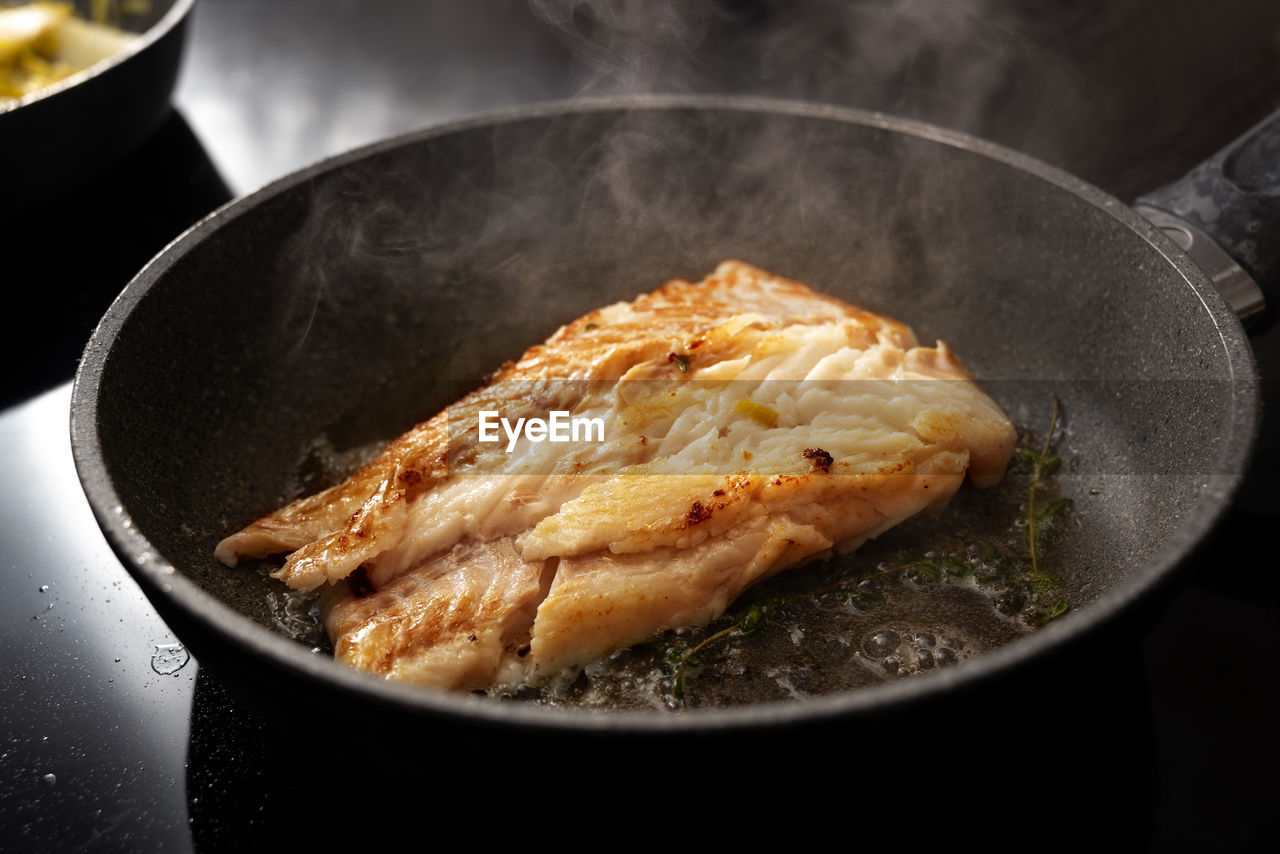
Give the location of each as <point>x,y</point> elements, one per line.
<point>743,425</point>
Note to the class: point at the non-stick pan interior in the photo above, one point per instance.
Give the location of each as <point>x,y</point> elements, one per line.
<point>344,305</point>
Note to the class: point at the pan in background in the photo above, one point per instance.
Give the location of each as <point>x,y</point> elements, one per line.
<point>353,298</point>
<point>55,140</point>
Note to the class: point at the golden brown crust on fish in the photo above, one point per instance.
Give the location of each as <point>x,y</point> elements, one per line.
<point>750,425</point>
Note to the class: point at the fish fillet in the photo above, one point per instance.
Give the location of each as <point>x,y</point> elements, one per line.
<point>748,423</point>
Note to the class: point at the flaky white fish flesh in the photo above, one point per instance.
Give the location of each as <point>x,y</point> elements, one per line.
<point>749,425</point>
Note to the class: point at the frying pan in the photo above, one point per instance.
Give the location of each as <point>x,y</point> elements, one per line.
<point>55,140</point>
<point>358,296</point>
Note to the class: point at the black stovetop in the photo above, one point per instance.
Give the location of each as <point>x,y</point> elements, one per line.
<point>114,738</point>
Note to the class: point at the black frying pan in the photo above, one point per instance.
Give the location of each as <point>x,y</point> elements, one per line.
<point>55,140</point>
<point>362,294</point>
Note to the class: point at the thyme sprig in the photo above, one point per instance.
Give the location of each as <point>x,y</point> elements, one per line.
<point>680,658</point>
<point>1041,465</point>
<point>1037,519</point>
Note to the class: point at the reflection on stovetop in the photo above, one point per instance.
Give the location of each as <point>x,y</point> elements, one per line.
<point>1214,690</point>
<point>94,689</point>
<point>68,262</point>
<point>1019,761</point>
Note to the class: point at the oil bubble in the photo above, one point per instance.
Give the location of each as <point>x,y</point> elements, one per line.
<point>905,650</point>
<point>883,643</point>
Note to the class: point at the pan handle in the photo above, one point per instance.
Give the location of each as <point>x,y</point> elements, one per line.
<point>1226,214</point>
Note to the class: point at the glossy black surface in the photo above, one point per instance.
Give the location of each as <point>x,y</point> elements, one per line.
<point>65,265</point>
<point>94,733</point>
<point>143,761</point>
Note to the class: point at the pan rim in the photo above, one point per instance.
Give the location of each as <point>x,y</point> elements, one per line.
<point>159,577</point>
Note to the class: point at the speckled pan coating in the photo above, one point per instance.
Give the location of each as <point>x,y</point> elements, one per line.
<point>366,292</point>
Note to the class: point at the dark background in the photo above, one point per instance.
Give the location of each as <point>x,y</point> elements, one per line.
<point>113,740</point>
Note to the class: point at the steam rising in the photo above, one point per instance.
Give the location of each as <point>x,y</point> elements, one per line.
<point>515,228</point>
<point>1118,93</point>
<point>635,46</point>
<point>973,65</point>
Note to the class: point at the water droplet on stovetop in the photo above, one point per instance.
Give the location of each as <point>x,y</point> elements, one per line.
<point>169,658</point>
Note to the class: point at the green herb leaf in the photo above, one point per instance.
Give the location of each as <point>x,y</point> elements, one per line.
<point>925,570</point>
<point>751,620</point>
<point>1043,582</point>
<point>865,600</point>
<point>953,565</point>
<point>1045,463</point>
<point>1039,616</point>
<point>1046,513</point>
